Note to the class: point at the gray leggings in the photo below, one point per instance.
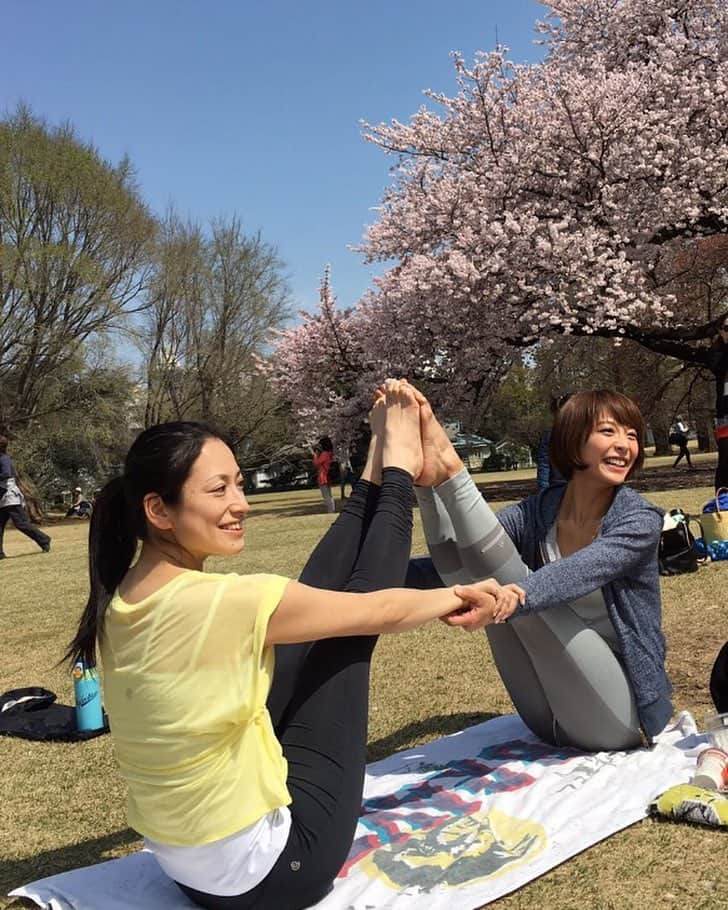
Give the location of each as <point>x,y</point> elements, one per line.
<point>566,683</point>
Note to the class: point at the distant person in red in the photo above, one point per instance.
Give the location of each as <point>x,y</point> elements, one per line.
<point>323,456</point>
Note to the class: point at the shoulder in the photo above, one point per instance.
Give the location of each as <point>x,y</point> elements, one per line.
<point>629,506</point>
<point>233,600</point>
<point>536,512</point>
<point>253,586</point>
<point>629,500</point>
<point>194,578</point>
<point>542,508</point>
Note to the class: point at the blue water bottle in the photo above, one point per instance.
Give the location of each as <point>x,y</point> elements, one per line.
<point>87,692</point>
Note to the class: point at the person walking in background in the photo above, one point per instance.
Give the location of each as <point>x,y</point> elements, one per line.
<point>718,363</point>
<point>12,504</point>
<point>323,456</point>
<point>547,474</point>
<point>679,438</point>
<point>353,463</point>
<point>347,475</point>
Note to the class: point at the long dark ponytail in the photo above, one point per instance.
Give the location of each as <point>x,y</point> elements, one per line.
<point>158,461</point>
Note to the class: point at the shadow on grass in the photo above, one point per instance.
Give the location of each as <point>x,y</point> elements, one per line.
<point>294,511</point>
<point>51,862</point>
<point>289,512</point>
<point>26,555</point>
<point>653,480</point>
<point>423,731</point>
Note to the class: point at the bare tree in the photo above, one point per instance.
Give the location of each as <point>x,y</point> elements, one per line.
<point>74,251</point>
<point>214,299</point>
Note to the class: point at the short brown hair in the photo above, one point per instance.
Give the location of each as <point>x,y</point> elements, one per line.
<point>576,420</point>
<point>3,443</point>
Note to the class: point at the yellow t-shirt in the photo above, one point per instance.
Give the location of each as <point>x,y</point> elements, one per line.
<point>186,677</point>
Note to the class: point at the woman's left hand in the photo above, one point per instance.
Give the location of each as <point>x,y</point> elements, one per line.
<point>507,601</point>
<point>478,610</point>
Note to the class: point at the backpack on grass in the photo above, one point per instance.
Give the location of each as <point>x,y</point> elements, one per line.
<point>677,553</point>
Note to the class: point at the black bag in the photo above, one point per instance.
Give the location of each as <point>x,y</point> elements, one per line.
<point>677,552</point>
<point>33,713</point>
<point>334,472</point>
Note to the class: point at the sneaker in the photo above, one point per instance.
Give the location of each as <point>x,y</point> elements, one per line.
<point>46,547</point>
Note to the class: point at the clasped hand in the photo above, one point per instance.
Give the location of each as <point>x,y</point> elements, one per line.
<point>484,602</point>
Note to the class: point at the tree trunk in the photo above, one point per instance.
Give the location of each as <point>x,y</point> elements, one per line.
<point>661,432</point>
<point>705,431</point>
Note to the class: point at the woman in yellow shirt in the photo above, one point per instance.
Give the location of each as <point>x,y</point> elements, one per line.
<point>238,704</point>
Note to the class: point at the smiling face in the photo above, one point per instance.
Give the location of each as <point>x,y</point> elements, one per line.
<point>601,432</point>
<point>610,451</point>
<point>208,520</point>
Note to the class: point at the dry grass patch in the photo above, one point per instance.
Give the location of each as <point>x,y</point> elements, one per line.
<point>62,805</point>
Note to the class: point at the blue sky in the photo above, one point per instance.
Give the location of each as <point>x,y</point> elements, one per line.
<point>252,108</point>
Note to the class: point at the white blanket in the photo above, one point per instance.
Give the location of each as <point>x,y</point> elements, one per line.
<point>458,822</point>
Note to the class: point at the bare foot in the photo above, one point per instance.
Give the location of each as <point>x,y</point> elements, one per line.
<point>402,443</point>
<point>377,417</point>
<point>441,461</point>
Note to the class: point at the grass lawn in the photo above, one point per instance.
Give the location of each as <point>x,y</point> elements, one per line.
<point>62,805</point>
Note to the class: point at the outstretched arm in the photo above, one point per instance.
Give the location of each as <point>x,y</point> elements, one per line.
<point>309,614</point>
<point>615,554</point>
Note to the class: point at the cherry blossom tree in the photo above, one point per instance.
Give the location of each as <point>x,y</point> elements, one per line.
<point>574,196</point>
<point>321,368</point>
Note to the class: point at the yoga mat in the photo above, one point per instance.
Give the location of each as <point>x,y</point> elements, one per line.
<point>458,822</point>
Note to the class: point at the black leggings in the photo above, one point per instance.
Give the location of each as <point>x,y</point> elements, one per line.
<point>721,472</point>
<point>319,702</point>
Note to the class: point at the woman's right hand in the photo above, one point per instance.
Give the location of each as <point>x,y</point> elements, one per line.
<point>479,609</point>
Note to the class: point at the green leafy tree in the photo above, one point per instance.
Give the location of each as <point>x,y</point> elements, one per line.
<point>84,431</point>
<point>518,410</point>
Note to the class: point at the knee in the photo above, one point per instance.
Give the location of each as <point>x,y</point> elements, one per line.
<point>422,574</point>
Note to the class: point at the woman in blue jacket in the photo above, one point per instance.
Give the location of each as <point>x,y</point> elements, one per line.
<point>582,653</point>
